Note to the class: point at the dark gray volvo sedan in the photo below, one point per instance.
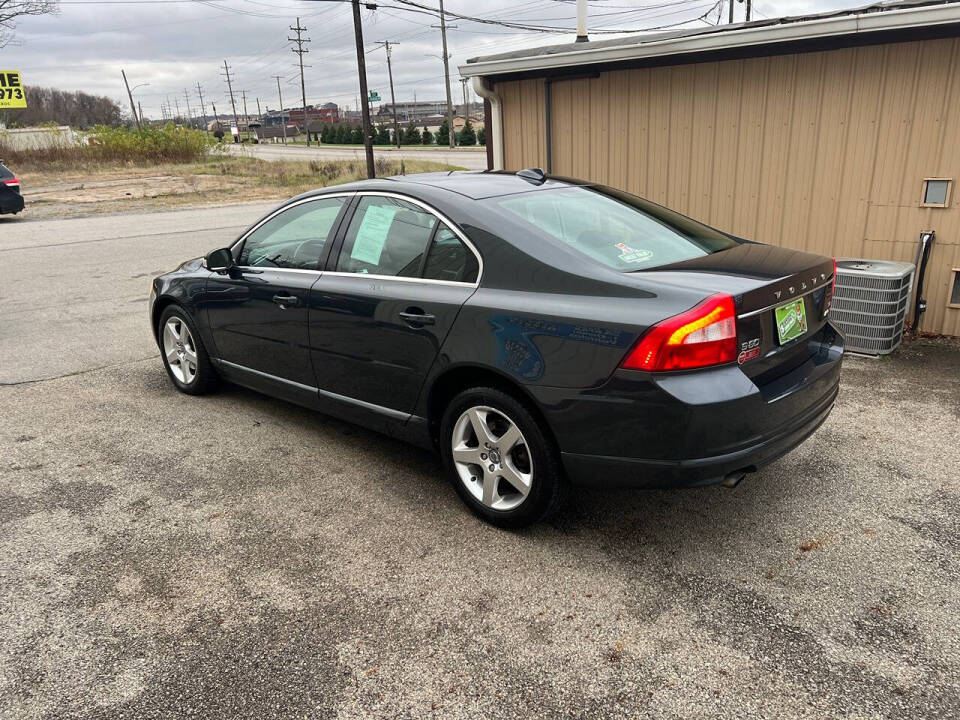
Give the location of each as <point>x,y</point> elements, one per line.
<point>537,331</point>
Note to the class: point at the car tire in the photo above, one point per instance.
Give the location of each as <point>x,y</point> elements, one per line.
<point>512,475</point>
<point>184,356</point>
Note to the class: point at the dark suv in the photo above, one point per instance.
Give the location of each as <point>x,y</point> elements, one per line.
<point>11,201</point>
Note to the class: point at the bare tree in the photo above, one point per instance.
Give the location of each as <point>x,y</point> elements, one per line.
<point>10,10</point>
<point>64,107</point>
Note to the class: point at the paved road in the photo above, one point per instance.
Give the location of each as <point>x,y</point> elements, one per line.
<point>78,298</point>
<point>469,159</point>
<point>234,556</point>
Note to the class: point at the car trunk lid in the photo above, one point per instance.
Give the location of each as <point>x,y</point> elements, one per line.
<point>762,278</point>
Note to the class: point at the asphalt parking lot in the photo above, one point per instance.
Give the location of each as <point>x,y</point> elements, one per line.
<point>235,556</point>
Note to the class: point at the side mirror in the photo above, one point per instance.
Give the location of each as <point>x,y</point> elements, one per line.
<point>219,260</point>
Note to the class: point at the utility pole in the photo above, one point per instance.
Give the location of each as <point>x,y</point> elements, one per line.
<point>299,40</point>
<point>233,104</point>
<point>133,108</point>
<point>731,11</point>
<point>749,8</point>
<point>446,74</point>
<point>393,100</point>
<point>176,102</point>
<point>186,96</point>
<point>202,108</point>
<point>140,105</point>
<point>246,117</point>
<point>463,87</point>
<point>283,122</point>
<point>216,120</point>
<point>364,97</point>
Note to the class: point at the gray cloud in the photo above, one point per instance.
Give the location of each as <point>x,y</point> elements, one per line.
<point>173,44</point>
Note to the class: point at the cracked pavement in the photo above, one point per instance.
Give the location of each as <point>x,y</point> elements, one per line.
<point>236,556</point>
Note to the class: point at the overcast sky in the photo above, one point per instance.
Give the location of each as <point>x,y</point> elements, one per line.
<point>173,44</point>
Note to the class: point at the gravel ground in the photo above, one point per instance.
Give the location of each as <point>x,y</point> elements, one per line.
<point>229,556</point>
<point>234,556</point>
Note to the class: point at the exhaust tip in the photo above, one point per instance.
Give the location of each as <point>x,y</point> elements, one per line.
<point>733,479</point>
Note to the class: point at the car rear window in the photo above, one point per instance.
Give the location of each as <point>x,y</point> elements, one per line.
<point>5,174</point>
<point>613,228</point>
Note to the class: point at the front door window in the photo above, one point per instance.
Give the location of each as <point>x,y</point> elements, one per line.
<point>295,238</point>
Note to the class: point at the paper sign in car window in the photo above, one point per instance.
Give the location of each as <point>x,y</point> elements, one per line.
<point>372,234</point>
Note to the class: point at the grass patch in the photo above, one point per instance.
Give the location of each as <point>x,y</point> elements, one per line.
<point>301,175</point>
<point>112,146</point>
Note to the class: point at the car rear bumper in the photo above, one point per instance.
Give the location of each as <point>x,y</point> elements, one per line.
<point>605,471</point>
<point>694,429</point>
<point>11,203</point>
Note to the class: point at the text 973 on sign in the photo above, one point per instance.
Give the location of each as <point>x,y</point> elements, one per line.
<point>11,90</point>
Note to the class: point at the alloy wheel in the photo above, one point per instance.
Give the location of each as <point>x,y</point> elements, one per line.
<point>492,458</point>
<point>179,350</point>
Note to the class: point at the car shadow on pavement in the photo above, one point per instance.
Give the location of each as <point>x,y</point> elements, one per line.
<point>703,516</point>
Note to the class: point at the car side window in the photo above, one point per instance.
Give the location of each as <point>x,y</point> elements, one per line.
<point>293,239</point>
<point>387,236</point>
<point>449,259</point>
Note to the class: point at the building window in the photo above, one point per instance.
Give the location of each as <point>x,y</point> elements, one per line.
<point>955,291</point>
<point>936,192</point>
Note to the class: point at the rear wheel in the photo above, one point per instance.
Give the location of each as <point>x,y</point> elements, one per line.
<point>500,458</point>
<point>184,356</point>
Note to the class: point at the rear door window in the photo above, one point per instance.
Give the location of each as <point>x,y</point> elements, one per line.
<point>613,228</point>
<point>386,236</point>
<point>5,174</point>
<point>449,259</point>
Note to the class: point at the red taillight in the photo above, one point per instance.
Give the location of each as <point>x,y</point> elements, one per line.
<point>702,336</point>
<point>11,181</point>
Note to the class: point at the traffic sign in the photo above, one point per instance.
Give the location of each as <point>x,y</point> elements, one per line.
<point>374,96</point>
<point>11,90</point>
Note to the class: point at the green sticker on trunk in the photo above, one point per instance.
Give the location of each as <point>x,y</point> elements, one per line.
<point>791,320</point>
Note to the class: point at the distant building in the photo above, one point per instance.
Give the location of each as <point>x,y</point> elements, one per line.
<point>421,111</point>
<point>326,113</point>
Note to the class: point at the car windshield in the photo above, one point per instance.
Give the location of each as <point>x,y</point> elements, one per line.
<point>616,229</point>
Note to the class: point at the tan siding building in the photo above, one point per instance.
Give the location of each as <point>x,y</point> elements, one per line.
<point>823,146</point>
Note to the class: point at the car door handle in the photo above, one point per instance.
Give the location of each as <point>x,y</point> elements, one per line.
<point>282,300</point>
<point>416,316</point>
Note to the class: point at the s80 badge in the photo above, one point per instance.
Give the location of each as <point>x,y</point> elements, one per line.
<point>749,350</point>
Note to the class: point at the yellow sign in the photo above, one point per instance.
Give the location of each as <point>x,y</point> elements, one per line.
<point>11,90</point>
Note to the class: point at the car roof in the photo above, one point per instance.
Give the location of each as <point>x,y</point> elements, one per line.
<point>475,184</point>
<point>484,184</point>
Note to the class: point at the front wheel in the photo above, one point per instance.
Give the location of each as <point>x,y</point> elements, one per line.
<point>184,355</point>
<point>500,458</point>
